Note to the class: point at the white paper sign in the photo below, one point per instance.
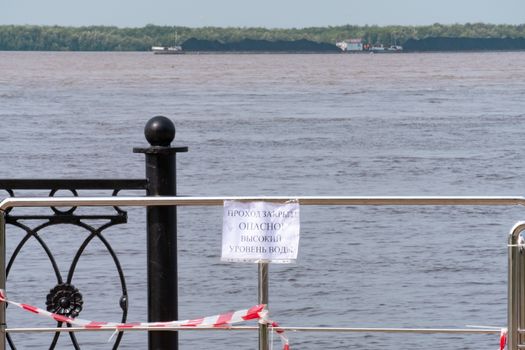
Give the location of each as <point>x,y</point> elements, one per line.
<point>260,231</point>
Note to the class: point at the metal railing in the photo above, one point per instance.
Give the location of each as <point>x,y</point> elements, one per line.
<point>33,223</point>
<point>516,274</point>
<point>303,200</point>
<point>516,288</point>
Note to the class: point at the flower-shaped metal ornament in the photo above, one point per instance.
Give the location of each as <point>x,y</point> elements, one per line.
<point>64,299</point>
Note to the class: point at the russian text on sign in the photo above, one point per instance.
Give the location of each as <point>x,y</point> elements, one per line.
<point>260,231</point>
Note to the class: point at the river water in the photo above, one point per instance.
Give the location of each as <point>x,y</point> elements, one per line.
<point>400,124</point>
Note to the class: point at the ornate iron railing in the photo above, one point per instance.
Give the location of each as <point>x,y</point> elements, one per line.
<point>63,297</point>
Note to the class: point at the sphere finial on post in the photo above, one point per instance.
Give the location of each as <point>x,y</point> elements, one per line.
<point>159,131</point>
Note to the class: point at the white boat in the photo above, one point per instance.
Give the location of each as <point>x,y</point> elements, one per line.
<point>395,48</point>
<point>167,50</point>
<point>381,48</point>
<point>350,45</point>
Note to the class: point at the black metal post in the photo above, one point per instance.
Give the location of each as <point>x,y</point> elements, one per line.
<point>161,230</point>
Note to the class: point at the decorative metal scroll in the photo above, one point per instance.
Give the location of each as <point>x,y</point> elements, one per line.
<point>63,297</point>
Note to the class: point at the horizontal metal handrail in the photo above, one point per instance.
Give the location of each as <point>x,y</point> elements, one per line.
<point>146,201</point>
<point>303,200</point>
<point>254,328</point>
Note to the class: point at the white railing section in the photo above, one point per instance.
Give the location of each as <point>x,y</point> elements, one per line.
<point>217,201</point>
<point>516,274</point>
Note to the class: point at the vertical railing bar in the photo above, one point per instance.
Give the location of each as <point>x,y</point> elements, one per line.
<point>263,299</point>
<point>2,280</point>
<point>512,295</point>
<point>520,288</point>
<point>515,288</point>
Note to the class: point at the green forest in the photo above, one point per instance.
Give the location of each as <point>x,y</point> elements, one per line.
<point>107,38</point>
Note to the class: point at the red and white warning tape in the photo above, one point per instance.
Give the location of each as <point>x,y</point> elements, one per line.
<point>503,338</point>
<point>258,312</point>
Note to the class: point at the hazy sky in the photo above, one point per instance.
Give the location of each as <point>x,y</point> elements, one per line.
<point>264,13</point>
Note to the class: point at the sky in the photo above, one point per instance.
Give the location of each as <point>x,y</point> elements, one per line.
<point>260,13</point>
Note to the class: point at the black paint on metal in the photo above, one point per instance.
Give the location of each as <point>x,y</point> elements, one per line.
<point>73,184</point>
<point>161,230</point>
<point>69,217</point>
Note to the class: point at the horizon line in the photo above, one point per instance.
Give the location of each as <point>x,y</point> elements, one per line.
<point>262,27</point>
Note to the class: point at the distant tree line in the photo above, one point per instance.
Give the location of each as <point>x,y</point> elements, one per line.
<point>106,38</point>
